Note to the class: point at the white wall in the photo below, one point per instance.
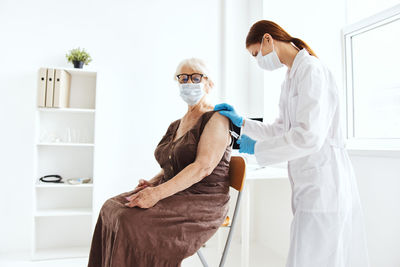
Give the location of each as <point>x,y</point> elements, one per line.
<point>135,46</point>
<point>360,9</point>
<point>242,78</point>
<point>379,186</point>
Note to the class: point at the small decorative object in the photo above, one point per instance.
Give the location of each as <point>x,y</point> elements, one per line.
<point>78,57</point>
<point>83,180</point>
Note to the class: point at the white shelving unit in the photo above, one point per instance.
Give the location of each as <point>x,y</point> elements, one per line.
<point>62,213</point>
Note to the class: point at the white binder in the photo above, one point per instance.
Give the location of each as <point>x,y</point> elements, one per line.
<point>62,83</point>
<point>41,87</point>
<point>50,88</point>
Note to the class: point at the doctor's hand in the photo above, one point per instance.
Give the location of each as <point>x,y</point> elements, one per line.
<point>246,144</point>
<point>145,199</point>
<point>229,112</point>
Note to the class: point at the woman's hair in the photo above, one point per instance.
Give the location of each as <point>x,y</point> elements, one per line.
<point>262,27</point>
<point>197,65</point>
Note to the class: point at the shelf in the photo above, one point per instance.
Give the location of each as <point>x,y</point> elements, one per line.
<point>66,110</point>
<point>57,253</point>
<point>64,212</point>
<point>62,185</point>
<point>83,72</point>
<point>66,144</point>
<point>72,71</point>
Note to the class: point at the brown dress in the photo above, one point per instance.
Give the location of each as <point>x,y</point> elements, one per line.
<point>177,226</point>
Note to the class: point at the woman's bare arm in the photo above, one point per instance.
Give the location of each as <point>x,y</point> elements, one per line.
<point>152,182</point>
<point>157,177</point>
<point>211,148</point>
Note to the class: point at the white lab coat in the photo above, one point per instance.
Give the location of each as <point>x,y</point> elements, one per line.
<point>327,228</point>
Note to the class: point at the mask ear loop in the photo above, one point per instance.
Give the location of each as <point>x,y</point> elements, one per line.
<point>262,41</point>
<point>259,51</point>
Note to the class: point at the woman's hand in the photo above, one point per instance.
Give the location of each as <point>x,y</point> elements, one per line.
<point>146,198</point>
<point>142,185</point>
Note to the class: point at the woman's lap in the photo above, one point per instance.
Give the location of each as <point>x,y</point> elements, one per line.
<point>177,225</point>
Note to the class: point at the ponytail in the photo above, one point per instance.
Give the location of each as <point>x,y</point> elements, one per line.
<point>261,27</point>
<point>300,44</point>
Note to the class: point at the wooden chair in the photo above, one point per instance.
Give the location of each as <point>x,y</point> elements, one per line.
<point>237,174</point>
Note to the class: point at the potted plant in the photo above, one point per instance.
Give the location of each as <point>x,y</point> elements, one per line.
<point>78,57</point>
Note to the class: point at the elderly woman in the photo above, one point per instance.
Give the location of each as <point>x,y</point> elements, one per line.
<point>169,217</point>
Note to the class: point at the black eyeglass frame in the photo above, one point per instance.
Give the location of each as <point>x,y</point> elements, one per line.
<point>190,76</point>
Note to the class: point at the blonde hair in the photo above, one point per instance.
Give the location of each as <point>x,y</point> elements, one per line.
<point>197,65</point>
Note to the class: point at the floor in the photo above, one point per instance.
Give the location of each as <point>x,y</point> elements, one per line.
<point>259,257</point>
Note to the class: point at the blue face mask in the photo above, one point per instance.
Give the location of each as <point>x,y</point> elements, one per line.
<point>191,93</point>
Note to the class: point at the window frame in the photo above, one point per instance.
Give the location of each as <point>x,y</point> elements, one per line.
<point>355,143</point>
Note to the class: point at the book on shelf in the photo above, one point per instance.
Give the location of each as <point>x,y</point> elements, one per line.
<point>50,88</point>
<point>62,84</point>
<point>42,84</point>
<point>53,88</point>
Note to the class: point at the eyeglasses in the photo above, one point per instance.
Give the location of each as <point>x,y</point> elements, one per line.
<point>194,77</point>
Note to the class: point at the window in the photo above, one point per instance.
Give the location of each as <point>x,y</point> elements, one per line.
<point>372,58</point>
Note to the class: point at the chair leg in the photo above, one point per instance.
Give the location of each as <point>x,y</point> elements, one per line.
<point>202,259</point>
<point>228,241</point>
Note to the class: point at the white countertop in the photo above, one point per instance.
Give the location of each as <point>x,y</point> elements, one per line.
<point>256,172</point>
<point>269,172</point>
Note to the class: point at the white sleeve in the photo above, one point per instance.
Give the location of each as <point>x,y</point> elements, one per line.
<point>258,130</point>
<point>316,106</point>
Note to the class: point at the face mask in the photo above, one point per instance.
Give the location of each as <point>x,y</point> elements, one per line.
<point>270,61</point>
<point>191,93</point>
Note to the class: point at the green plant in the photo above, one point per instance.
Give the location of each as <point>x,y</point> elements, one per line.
<point>78,54</point>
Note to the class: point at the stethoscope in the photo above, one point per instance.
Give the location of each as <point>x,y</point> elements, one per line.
<point>52,178</point>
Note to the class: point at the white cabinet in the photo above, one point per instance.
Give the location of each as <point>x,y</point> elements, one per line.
<point>62,213</point>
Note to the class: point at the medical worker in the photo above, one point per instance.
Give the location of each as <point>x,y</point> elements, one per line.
<point>327,228</point>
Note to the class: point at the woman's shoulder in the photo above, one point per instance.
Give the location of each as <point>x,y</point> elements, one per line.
<point>311,67</point>
<point>312,63</point>
<point>213,116</point>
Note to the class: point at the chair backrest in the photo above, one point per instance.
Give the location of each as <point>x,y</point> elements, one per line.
<point>237,172</point>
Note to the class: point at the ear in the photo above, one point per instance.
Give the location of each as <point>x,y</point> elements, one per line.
<point>267,38</point>
<point>211,84</point>
<point>208,86</point>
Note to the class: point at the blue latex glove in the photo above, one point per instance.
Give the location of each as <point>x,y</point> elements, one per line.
<point>229,112</point>
<point>246,144</point>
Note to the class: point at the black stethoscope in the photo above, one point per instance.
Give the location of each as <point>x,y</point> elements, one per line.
<point>52,178</point>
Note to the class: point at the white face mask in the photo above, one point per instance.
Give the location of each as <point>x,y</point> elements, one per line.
<point>270,61</point>
<point>191,93</point>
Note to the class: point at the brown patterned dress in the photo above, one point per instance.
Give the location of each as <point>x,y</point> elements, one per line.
<point>177,226</point>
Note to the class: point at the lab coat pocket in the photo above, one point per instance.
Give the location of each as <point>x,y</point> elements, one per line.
<point>315,189</point>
